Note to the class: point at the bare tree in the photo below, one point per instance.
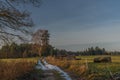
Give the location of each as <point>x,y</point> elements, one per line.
<point>41,39</point>
<point>14,21</point>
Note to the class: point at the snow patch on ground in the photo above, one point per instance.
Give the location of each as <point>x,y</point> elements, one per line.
<point>47,66</point>
<point>40,65</point>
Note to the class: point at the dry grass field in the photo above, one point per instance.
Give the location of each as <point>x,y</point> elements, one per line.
<point>10,69</point>
<point>87,69</point>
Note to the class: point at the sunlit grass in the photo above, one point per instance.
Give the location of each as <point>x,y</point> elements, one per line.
<point>20,59</point>
<point>86,67</point>
<point>10,69</point>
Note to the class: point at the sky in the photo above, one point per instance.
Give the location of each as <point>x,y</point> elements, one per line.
<point>78,24</point>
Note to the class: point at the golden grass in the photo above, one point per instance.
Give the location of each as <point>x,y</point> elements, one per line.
<point>10,69</point>
<point>87,68</point>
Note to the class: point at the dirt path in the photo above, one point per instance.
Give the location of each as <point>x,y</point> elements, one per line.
<point>48,75</point>
<point>51,72</point>
<point>51,75</point>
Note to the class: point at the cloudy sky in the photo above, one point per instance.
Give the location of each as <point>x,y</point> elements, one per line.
<point>79,24</point>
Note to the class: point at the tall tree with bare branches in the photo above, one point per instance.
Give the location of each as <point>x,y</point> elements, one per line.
<point>14,21</point>
<point>41,40</point>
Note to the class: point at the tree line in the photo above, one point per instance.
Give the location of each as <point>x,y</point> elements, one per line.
<point>34,50</point>
<point>89,51</point>
<point>24,50</point>
<point>94,51</point>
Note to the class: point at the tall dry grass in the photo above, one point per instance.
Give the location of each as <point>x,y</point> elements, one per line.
<point>88,69</point>
<point>10,70</point>
<point>74,67</point>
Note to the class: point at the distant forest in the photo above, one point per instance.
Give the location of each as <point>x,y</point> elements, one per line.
<point>32,50</point>
<point>23,50</point>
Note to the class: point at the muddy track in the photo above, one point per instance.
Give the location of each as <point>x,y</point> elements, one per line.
<point>52,72</point>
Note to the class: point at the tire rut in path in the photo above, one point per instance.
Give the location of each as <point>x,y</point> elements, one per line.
<point>48,75</point>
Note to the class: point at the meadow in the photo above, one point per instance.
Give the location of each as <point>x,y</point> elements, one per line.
<point>12,69</point>
<point>87,69</point>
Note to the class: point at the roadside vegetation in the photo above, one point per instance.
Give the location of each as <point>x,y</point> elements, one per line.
<point>87,69</point>
<point>13,69</point>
